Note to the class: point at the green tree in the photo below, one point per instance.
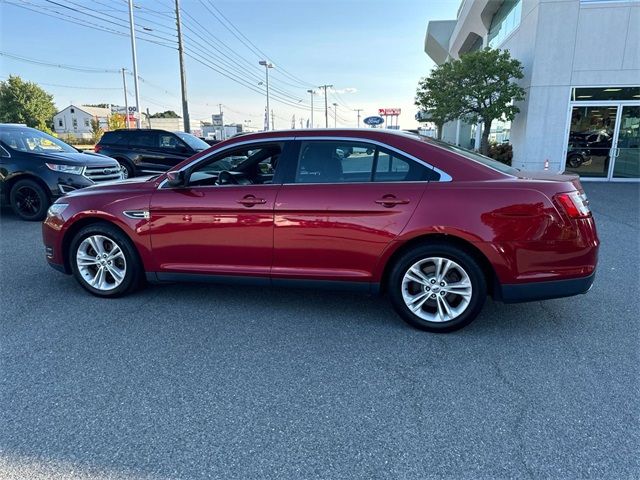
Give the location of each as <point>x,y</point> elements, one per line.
<point>96,130</point>
<point>440,107</point>
<point>116,121</point>
<point>165,114</point>
<point>479,87</point>
<point>26,102</point>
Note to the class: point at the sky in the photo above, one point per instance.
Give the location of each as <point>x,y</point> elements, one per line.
<point>371,51</point>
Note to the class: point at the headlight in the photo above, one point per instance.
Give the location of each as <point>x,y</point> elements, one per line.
<point>56,209</point>
<point>56,167</point>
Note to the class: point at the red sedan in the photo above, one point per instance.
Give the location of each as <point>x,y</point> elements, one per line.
<point>434,226</point>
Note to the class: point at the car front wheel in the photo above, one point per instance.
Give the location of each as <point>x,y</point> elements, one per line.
<point>29,200</point>
<point>437,288</point>
<point>104,261</point>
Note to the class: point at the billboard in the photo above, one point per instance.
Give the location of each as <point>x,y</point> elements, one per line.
<point>388,111</point>
<point>216,120</point>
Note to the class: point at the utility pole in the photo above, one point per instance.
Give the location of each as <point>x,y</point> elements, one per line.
<point>273,123</point>
<point>335,115</point>
<point>267,65</point>
<point>183,76</point>
<point>222,132</point>
<point>358,110</point>
<point>326,109</point>
<point>126,102</point>
<point>312,93</point>
<point>135,63</point>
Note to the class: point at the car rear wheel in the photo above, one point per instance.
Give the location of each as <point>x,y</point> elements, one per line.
<point>104,261</point>
<point>29,200</point>
<point>437,288</point>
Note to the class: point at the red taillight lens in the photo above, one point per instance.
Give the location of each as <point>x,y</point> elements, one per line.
<point>97,148</point>
<point>575,204</point>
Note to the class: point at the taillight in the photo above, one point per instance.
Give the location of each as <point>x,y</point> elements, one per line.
<point>97,148</point>
<point>575,204</point>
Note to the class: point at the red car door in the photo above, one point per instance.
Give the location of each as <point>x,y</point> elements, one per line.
<point>346,203</point>
<point>214,225</point>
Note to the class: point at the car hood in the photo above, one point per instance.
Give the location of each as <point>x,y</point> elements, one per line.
<point>116,186</point>
<point>80,159</point>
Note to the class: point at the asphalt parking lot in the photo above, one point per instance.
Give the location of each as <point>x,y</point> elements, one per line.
<point>200,381</point>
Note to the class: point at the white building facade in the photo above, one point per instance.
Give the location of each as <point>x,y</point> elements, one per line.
<point>581,62</point>
<point>76,120</point>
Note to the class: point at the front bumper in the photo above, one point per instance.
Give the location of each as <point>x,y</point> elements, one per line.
<point>532,291</point>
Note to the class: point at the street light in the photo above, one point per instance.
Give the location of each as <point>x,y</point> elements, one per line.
<point>335,115</point>
<point>267,66</point>
<point>312,93</point>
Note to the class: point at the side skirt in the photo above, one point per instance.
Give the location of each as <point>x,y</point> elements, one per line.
<point>362,287</point>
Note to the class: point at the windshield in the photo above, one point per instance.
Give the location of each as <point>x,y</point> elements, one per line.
<point>33,141</point>
<point>193,142</point>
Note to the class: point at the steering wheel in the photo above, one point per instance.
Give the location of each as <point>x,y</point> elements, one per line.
<point>226,178</point>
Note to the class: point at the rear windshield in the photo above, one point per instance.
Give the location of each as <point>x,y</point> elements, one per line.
<point>476,157</point>
<point>192,141</point>
<point>470,154</point>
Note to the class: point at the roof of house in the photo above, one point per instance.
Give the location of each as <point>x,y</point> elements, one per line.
<point>93,111</point>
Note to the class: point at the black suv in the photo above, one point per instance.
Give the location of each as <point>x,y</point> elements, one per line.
<point>36,168</point>
<point>149,151</point>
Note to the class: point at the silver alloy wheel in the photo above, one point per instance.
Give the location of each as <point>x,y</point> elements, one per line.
<point>101,262</point>
<point>436,289</point>
<point>124,172</point>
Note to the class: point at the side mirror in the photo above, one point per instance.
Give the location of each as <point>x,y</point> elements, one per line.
<point>176,178</point>
<point>183,149</point>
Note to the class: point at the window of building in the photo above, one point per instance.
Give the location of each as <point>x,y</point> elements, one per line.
<point>72,110</point>
<point>605,93</point>
<point>504,22</point>
<point>87,123</point>
<point>75,123</point>
<point>60,122</point>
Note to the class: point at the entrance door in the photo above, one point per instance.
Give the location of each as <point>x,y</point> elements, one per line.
<point>591,135</point>
<point>627,149</point>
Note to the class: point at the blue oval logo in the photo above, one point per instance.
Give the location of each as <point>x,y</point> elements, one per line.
<point>375,120</point>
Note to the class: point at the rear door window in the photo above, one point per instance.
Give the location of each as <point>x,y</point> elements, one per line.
<point>335,162</point>
<point>391,167</point>
<point>144,140</point>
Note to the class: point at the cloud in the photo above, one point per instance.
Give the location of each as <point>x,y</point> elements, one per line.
<point>343,90</point>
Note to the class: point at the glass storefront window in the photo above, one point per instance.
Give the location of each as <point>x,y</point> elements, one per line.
<point>505,21</point>
<point>605,93</point>
<point>590,140</point>
<point>627,152</point>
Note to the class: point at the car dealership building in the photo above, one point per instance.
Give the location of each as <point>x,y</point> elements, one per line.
<point>581,62</point>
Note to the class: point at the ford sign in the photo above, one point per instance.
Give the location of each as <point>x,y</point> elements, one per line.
<point>373,121</point>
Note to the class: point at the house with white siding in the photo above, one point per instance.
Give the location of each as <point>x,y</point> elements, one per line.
<point>76,120</point>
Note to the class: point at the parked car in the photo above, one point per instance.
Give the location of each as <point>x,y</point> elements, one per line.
<point>435,226</point>
<point>578,154</point>
<point>36,169</point>
<point>142,151</point>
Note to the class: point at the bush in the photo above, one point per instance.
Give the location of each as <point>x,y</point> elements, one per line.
<point>502,152</point>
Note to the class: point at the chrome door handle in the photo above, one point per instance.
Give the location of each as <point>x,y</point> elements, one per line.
<point>389,201</point>
<point>250,201</point>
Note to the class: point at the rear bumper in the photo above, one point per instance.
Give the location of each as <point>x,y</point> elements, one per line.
<point>528,292</point>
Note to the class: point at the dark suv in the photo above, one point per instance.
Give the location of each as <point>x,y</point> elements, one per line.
<point>36,169</point>
<point>147,150</point>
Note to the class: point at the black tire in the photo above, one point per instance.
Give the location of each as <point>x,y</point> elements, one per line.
<point>127,167</point>
<point>134,274</point>
<point>29,200</point>
<point>444,251</point>
<point>574,161</point>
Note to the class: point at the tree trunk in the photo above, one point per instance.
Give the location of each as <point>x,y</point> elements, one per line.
<point>484,142</point>
<point>439,131</point>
